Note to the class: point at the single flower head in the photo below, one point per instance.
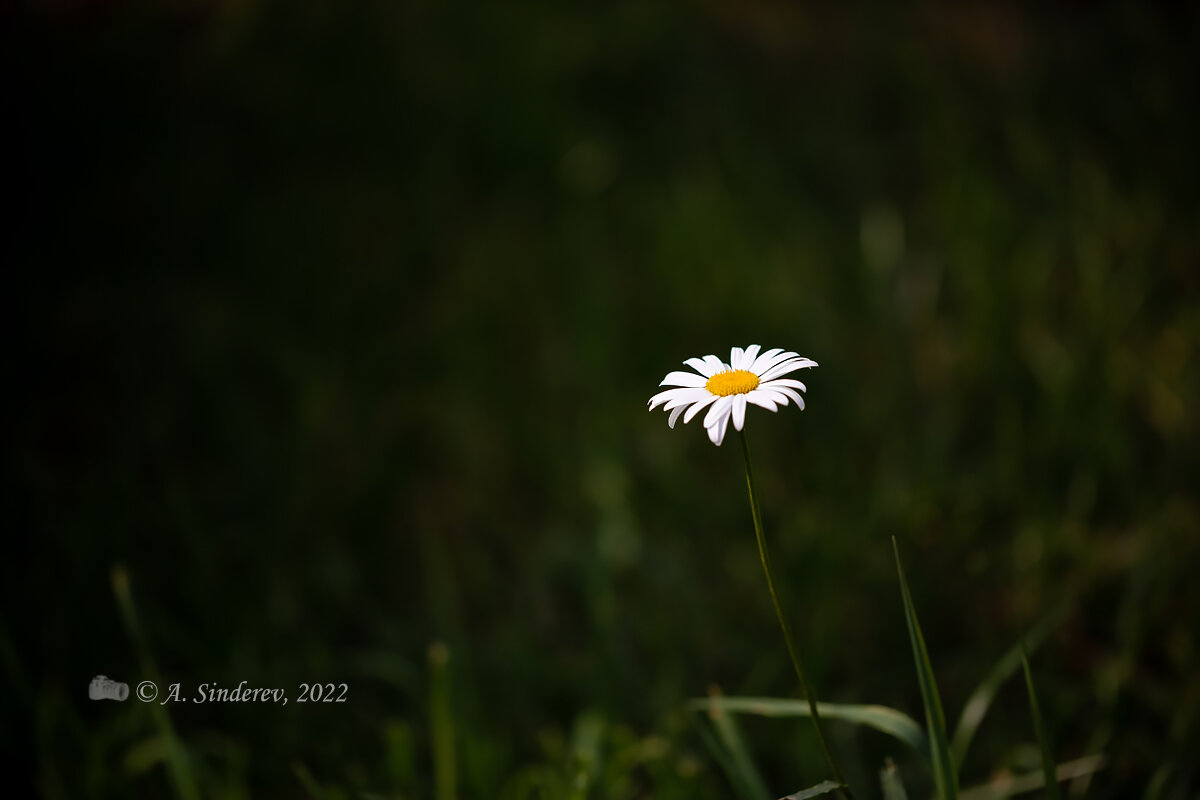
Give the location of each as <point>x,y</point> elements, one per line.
<point>726,389</point>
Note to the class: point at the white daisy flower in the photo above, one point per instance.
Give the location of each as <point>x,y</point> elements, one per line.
<point>726,389</point>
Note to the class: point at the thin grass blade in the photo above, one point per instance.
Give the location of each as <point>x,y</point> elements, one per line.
<point>824,787</point>
<point>981,699</point>
<point>1011,786</point>
<point>311,787</point>
<point>1039,729</point>
<point>445,771</point>
<point>179,766</point>
<point>729,748</point>
<point>944,774</point>
<point>881,718</point>
<point>889,781</point>
<point>724,759</point>
<point>585,748</point>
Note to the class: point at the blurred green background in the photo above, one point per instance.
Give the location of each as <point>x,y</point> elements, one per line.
<point>335,325</point>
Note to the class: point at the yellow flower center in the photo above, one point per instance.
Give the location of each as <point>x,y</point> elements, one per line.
<point>735,381</point>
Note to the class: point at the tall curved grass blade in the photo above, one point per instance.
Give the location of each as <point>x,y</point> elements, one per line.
<point>881,718</point>
<point>981,699</point>
<point>730,750</point>
<point>944,775</point>
<point>824,787</point>
<point>1039,729</point>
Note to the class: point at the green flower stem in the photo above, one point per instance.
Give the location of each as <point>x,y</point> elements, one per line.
<point>797,663</point>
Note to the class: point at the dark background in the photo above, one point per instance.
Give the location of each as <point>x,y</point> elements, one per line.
<point>335,325</point>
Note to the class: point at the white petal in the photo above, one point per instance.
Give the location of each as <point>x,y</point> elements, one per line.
<point>784,367</point>
<point>735,357</point>
<point>761,364</point>
<point>665,397</point>
<point>702,366</point>
<point>739,411</point>
<point>766,365</point>
<point>790,393</point>
<point>716,365</point>
<point>751,355</point>
<point>716,433</point>
<point>674,416</point>
<point>774,395</point>
<point>761,399</point>
<point>792,382</point>
<point>696,409</point>
<point>683,379</point>
<point>719,409</point>
<point>684,397</point>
